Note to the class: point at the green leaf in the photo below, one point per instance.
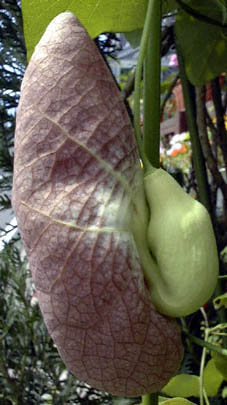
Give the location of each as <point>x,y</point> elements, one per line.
<point>220,301</point>
<point>173,401</point>
<point>212,378</point>
<point>186,385</point>
<point>204,45</point>
<point>97,16</point>
<point>177,401</point>
<point>214,9</point>
<point>182,385</point>
<point>162,399</point>
<point>134,37</point>
<point>224,392</point>
<point>220,363</point>
<point>168,6</point>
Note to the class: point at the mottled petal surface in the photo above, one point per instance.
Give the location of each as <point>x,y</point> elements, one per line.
<point>76,168</point>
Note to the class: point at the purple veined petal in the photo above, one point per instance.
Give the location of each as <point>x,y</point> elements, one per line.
<point>76,169</point>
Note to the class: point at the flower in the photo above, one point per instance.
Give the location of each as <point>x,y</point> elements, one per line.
<point>173,60</point>
<point>176,149</point>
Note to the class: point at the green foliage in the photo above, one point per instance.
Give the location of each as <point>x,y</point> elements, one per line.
<point>169,6</point>
<point>220,301</point>
<point>203,43</point>
<point>12,66</point>
<point>185,385</point>
<point>200,27</point>
<point>177,401</point>
<point>134,37</point>
<point>96,16</point>
<point>220,362</point>
<point>212,378</point>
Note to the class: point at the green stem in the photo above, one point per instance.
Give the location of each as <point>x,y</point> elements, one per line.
<point>206,397</point>
<point>208,345</point>
<point>197,154</point>
<point>202,365</point>
<point>152,71</point>
<point>149,20</point>
<point>150,399</point>
<point>168,94</point>
<point>203,359</point>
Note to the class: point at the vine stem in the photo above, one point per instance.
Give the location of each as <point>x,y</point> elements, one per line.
<point>148,142</point>
<point>151,97</point>
<point>203,343</point>
<point>197,154</point>
<point>203,359</point>
<point>149,21</point>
